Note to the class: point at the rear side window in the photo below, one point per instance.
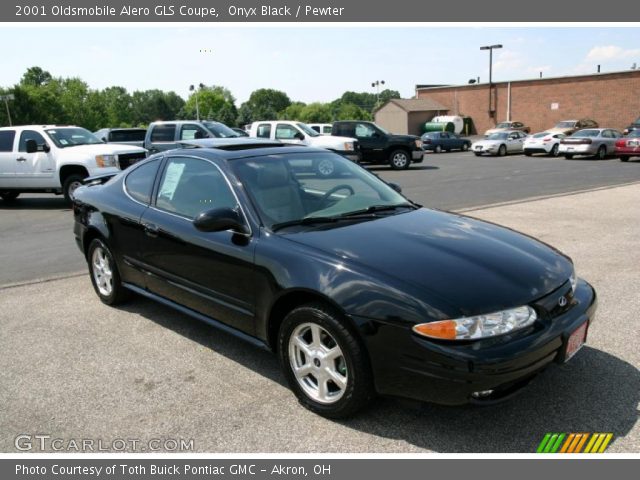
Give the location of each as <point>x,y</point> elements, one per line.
<point>139,183</point>
<point>6,140</point>
<point>163,133</point>
<point>264,130</point>
<point>127,135</point>
<point>344,130</point>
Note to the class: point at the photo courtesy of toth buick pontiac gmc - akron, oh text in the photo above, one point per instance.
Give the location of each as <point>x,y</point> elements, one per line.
<point>357,289</point>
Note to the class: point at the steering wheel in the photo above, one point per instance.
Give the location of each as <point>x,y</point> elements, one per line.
<point>337,188</point>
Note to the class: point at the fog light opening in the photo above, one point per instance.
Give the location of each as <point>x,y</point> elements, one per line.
<point>482,394</point>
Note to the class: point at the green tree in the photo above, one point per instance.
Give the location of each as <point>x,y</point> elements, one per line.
<point>349,111</point>
<point>213,103</point>
<point>36,77</point>
<point>266,104</point>
<point>316,113</point>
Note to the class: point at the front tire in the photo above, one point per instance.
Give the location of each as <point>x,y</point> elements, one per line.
<point>502,151</point>
<point>568,156</point>
<point>602,153</point>
<point>104,274</point>
<point>555,150</point>
<point>438,149</point>
<point>465,147</point>
<point>399,160</point>
<point>70,184</point>
<point>324,363</point>
<point>624,159</point>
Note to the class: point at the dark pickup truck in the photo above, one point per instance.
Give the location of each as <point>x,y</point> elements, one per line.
<point>379,146</point>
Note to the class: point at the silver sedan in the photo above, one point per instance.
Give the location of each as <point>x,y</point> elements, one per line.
<point>500,143</point>
<point>598,142</point>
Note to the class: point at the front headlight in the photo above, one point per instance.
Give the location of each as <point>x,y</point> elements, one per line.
<point>419,143</point>
<point>348,146</point>
<point>574,280</point>
<point>104,161</point>
<point>479,326</point>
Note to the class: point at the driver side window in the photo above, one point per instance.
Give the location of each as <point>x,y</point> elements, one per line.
<point>285,132</point>
<point>190,186</point>
<point>30,135</point>
<point>365,131</point>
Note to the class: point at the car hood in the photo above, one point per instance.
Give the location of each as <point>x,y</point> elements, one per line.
<point>474,266</point>
<point>561,130</point>
<point>103,149</point>
<point>403,138</point>
<point>495,130</point>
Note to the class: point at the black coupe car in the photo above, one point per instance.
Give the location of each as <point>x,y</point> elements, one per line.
<point>359,290</point>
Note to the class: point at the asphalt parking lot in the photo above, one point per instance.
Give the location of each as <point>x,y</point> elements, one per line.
<point>74,368</point>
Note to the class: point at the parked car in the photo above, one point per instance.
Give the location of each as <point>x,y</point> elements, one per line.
<point>634,126</point>
<point>55,159</point>
<point>543,142</point>
<point>240,132</point>
<point>123,136</point>
<point>381,147</point>
<point>598,142</point>
<point>322,128</point>
<point>508,126</point>
<point>163,136</point>
<point>447,141</point>
<point>500,143</point>
<point>357,289</point>
<point>298,133</point>
<point>567,127</point>
<point>628,146</point>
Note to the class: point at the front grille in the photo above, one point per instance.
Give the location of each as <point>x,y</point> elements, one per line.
<point>551,304</point>
<point>125,160</point>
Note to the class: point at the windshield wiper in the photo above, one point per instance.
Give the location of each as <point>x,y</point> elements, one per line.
<point>303,221</point>
<point>378,208</point>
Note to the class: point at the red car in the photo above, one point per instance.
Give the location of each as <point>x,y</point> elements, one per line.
<point>628,146</point>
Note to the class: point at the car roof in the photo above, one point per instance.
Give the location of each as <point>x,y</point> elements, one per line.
<point>242,147</point>
<point>14,127</point>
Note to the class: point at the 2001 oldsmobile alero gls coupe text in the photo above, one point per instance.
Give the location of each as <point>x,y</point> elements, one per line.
<point>358,290</point>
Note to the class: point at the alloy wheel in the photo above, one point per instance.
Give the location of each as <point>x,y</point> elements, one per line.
<point>102,271</point>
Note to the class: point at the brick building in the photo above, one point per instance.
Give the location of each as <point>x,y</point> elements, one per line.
<point>611,99</point>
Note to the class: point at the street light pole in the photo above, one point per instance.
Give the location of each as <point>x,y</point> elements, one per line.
<point>191,89</point>
<point>377,84</point>
<point>6,99</point>
<point>490,48</point>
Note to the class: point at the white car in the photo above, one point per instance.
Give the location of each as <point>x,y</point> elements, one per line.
<point>543,142</point>
<point>500,143</point>
<point>298,133</point>
<point>56,159</point>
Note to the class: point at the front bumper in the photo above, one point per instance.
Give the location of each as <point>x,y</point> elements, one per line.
<point>417,155</point>
<point>482,149</point>
<point>415,367</point>
<point>628,151</point>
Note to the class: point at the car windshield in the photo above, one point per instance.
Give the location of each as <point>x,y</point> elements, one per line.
<point>307,129</point>
<point>566,125</point>
<point>586,133</point>
<point>497,136</point>
<point>220,130</point>
<point>503,125</point>
<point>71,137</point>
<point>313,189</point>
<point>634,134</point>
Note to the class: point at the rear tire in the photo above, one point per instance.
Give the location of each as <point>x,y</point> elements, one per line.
<point>9,196</point>
<point>502,151</point>
<point>70,184</point>
<point>624,159</point>
<point>465,147</point>
<point>399,160</point>
<point>602,152</point>
<point>324,362</point>
<point>438,149</point>
<point>104,274</point>
<point>477,154</point>
<point>555,150</point>
<point>568,156</point>
<point>528,154</point>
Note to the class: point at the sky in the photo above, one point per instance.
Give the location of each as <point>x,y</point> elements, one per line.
<point>310,63</point>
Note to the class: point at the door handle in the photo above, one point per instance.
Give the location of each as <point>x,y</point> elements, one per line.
<point>150,229</point>
<point>21,159</point>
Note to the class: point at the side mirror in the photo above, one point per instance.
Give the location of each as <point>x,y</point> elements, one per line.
<point>46,148</point>
<point>31,146</point>
<point>219,220</point>
<point>104,139</point>
<point>395,186</point>
<point>375,135</point>
<point>299,136</point>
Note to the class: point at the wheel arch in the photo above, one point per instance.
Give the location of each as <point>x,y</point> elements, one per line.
<point>67,170</point>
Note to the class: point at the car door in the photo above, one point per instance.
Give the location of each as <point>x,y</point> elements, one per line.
<point>209,272</point>
<point>286,133</point>
<point>34,169</point>
<point>372,141</point>
<point>7,158</point>
<point>163,137</point>
<point>191,131</point>
<point>515,142</point>
<point>611,142</point>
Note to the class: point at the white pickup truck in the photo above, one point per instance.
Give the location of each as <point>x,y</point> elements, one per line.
<point>55,159</point>
<point>299,133</point>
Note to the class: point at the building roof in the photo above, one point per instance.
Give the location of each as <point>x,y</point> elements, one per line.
<point>536,79</point>
<point>416,104</point>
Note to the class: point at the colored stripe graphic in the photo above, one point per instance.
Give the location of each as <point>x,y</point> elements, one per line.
<point>574,442</point>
